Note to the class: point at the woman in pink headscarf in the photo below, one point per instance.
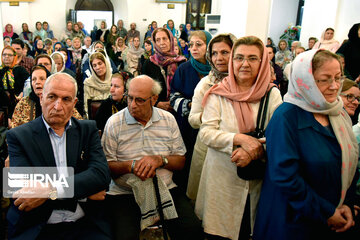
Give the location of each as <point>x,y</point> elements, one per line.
<point>9,32</point>
<point>225,202</point>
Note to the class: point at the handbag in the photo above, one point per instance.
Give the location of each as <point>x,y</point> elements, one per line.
<point>256,168</point>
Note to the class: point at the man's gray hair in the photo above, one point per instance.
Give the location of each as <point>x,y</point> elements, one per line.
<point>156,87</point>
<point>60,74</point>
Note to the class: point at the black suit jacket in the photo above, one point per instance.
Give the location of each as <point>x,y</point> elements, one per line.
<point>30,145</point>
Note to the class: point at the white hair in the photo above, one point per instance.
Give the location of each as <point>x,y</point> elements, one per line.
<point>61,74</point>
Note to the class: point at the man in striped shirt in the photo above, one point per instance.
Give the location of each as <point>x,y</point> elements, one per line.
<point>142,140</point>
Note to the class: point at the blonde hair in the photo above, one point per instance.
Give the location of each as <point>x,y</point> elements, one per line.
<point>199,34</point>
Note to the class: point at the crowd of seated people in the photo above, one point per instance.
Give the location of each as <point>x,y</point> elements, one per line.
<point>182,122</point>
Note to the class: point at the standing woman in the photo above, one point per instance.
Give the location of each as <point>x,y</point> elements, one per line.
<point>218,55</point>
<point>162,65</point>
<point>327,41</point>
<point>133,55</point>
<point>226,203</point>
<point>97,86</point>
<point>312,153</point>
<point>186,77</point>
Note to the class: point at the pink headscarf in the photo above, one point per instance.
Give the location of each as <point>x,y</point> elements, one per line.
<point>241,100</point>
<point>10,34</point>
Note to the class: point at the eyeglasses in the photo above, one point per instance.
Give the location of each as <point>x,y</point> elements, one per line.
<point>250,60</point>
<point>138,100</point>
<point>323,82</point>
<point>350,97</point>
<point>8,55</point>
<point>197,44</point>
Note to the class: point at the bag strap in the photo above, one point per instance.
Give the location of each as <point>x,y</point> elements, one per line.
<point>262,111</point>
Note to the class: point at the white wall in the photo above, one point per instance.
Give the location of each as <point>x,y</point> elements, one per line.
<point>144,12</point>
<point>233,17</point>
<point>216,6</point>
<point>283,13</point>
<point>318,15</point>
<point>347,16</point>
<point>258,16</point>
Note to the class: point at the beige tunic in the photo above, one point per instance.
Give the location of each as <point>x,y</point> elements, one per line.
<point>222,194</point>
<point>200,149</point>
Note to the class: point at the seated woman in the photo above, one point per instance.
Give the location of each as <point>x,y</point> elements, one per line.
<point>26,35</point>
<point>59,60</point>
<point>10,32</point>
<point>133,55</point>
<point>149,51</point>
<point>186,77</point>
<point>312,153</point>
<point>29,108</point>
<point>226,203</point>
<point>112,36</point>
<point>162,65</point>
<point>38,48</point>
<point>350,95</point>
<point>85,64</point>
<point>327,41</point>
<point>97,86</point>
<point>114,103</point>
<point>283,56</point>
<point>39,32</point>
<point>75,51</point>
<point>116,53</point>
<point>218,55</point>
<point>12,79</point>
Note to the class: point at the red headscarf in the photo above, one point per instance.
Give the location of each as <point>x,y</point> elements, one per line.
<point>6,33</point>
<point>241,100</point>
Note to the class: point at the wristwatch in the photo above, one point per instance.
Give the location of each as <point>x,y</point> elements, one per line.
<point>53,194</point>
<point>165,161</point>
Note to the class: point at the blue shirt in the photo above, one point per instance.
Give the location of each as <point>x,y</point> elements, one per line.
<point>58,144</point>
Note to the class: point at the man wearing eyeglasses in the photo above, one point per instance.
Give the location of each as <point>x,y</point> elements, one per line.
<point>139,142</point>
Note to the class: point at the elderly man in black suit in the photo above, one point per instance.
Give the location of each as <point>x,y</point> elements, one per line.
<point>58,140</point>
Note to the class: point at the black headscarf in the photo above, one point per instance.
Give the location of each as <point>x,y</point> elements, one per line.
<point>32,95</point>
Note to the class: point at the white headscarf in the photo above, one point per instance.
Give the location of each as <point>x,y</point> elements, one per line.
<point>304,93</point>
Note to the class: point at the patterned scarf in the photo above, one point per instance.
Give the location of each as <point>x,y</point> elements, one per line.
<point>8,80</point>
<point>304,93</point>
<point>167,59</point>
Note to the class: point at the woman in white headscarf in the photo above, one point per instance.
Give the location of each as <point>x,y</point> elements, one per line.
<point>97,86</point>
<point>327,41</point>
<point>309,186</point>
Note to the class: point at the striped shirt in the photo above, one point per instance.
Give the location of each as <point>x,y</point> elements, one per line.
<point>126,139</point>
